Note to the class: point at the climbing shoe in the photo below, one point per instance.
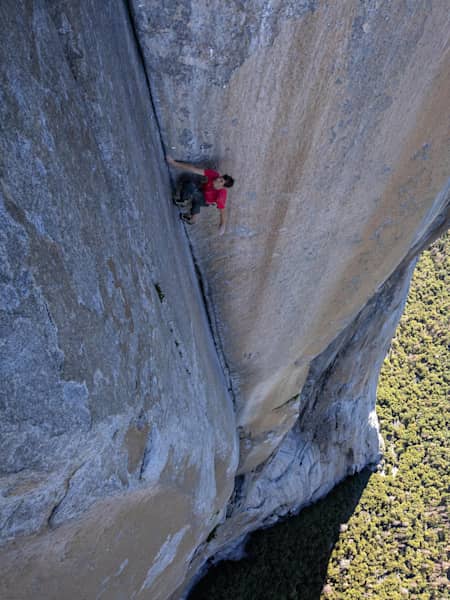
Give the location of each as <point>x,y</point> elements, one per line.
<point>186,219</point>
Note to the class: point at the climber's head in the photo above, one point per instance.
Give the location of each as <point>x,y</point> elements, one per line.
<point>224,181</point>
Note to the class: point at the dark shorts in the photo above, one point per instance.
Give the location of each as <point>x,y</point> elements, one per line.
<point>191,193</point>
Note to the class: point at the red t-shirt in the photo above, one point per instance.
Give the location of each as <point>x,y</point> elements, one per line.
<point>213,196</point>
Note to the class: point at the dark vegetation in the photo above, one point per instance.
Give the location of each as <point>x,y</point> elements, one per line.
<point>396,543</point>
<point>288,561</point>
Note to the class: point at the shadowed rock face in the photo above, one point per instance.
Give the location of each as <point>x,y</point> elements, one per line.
<point>118,440</point>
<point>117,434</point>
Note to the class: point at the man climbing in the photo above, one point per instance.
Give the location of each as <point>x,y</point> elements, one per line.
<point>213,191</point>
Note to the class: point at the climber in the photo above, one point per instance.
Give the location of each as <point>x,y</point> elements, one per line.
<point>212,191</point>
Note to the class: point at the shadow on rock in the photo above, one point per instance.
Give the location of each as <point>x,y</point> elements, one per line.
<point>288,561</point>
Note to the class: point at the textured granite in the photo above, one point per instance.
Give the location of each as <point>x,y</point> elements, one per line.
<point>333,118</point>
<point>109,371</point>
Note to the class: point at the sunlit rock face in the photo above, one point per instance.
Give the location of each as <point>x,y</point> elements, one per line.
<point>119,445</point>
<point>330,115</point>
<point>333,119</point>
<point>117,434</point>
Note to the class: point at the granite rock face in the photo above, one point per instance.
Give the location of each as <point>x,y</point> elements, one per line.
<point>121,468</point>
<point>331,118</point>
<point>117,433</point>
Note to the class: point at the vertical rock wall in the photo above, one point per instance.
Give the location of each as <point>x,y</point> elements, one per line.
<point>333,118</point>
<point>117,434</point>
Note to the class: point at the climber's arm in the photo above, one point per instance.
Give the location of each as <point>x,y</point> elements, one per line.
<point>184,166</point>
<point>223,221</point>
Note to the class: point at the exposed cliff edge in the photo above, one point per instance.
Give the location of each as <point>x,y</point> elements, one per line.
<point>122,471</point>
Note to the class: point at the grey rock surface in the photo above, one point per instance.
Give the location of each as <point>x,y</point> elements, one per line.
<point>108,372</point>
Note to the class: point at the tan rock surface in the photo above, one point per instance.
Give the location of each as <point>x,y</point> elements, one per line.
<point>335,126</point>
<point>122,548</point>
